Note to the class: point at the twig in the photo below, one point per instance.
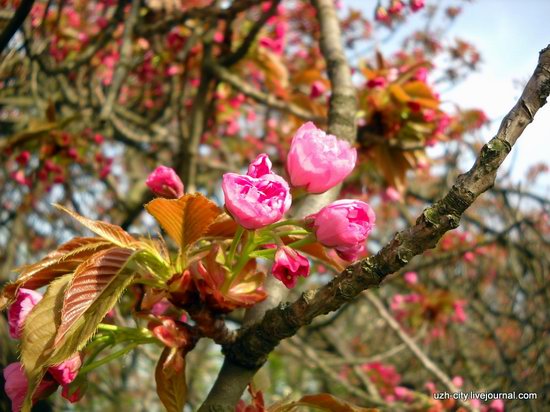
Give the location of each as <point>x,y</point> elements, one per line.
<point>123,66</point>
<point>264,98</point>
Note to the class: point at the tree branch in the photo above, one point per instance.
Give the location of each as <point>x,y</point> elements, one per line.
<point>235,376</point>
<point>269,100</point>
<point>123,66</point>
<point>16,21</point>
<point>254,343</point>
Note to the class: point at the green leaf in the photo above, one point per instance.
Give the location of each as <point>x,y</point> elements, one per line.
<point>39,333</point>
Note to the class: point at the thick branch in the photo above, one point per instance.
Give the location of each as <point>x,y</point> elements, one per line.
<point>256,342</point>
<point>234,376</point>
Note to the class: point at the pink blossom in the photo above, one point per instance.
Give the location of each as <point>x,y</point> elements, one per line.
<point>421,74</point>
<point>343,225</point>
<point>99,138</point>
<point>428,115</point>
<point>66,372</point>
<point>412,298</point>
<point>391,194</point>
<point>396,7</point>
<point>430,386</point>
<point>19,177</point>
<point>233,127</point>
<point>497,405</point>
<point>377,82</point>
<point>459,315</point>
<point>18,311</point>
<point>317,89</point>
<point>416,5</point>
<point>260,166</point>
<point>256,202</point>
<point>411,278</point>
<point>381,15</point>
<point>17,383</point>
<point>23,157</point>
<point>218,37</point>
<point>289,264</point>
<point>469,257</point>
<point>396,302</point>
<point>352,253</point>
<point>164,182</point>
<point>318,161</point>
<point>458,381</point>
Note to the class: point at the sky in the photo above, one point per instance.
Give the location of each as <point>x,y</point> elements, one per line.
<point>509,35</point>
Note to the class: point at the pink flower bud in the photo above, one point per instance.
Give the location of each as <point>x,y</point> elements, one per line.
<point>164,182</point>
<point>260,166</point>
<point>351,253</point>
<point>391,194</point>
<point>377,82</point>
<point>497,405</point>
<point>256,202</point>
<point>381,15</point>
<point>396,7</point>
<point>66,371</point>
<point>23,157</point>
<point>458,381</point>
<point>317,89</point>
<point>416,5</point>
<point>318,161</point>
<point>344,225</point>
<point>17,383</point>
<point>289,264</point>
<point>18,311</point>
<point>411,278</point>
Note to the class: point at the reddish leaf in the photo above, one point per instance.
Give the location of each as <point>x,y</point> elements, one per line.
<point>322,401</point>
<point>317,251</point>
<point>170,379</point>
<point>108,231</point>
<point>223,226</point>
<point>331,403</point>
<point>212,281</point>
<point>90,282</point>
<point>63,260</point>
<point>185,219</point>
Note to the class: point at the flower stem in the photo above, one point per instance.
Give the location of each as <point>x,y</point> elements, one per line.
<point>309,239</point>
<point>234,244</point>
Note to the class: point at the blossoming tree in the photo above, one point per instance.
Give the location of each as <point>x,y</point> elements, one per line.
<point>283,171</point>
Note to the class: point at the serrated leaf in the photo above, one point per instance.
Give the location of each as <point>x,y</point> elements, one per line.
<point>185,219</point>
<point>223,226</point>
<point>90,284</point>
<point>418,89</point>
<point>331,403</point>
<point>61,261</point>
<point>321,401</point>
<point>39,333</point>
<point>171,385</point>
<point>398,93</point>
<point>108,231</point>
